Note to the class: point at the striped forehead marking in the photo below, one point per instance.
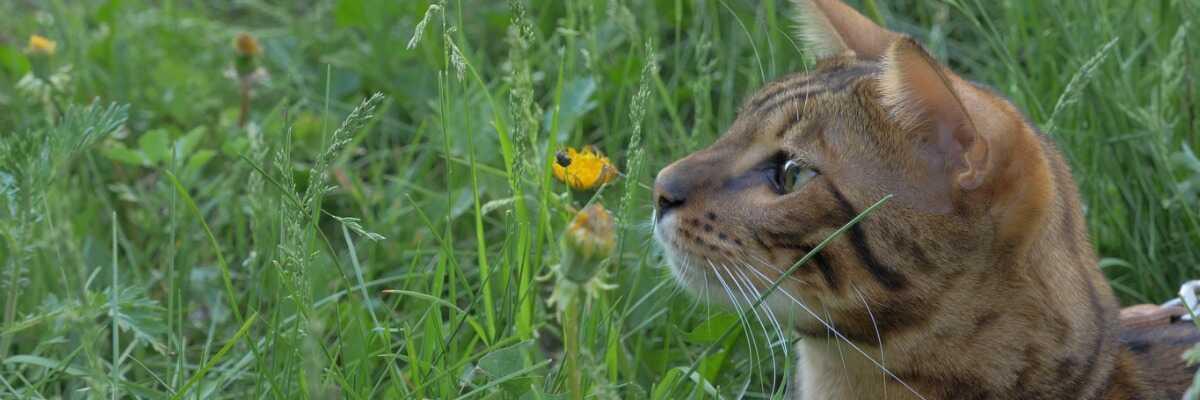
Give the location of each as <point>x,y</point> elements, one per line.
<point>823,82</point>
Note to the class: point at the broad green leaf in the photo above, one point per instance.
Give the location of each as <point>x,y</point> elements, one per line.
<point>711,365</point>
<point>197,161</point>
<point>155,145</point>
<point>15,62</point>
<point>505,360</point>
<point>235,147</point>
<point>576,101</point>
<point>119,153</point>
<point>186,144</point>
<point>712,329</point>
<point>512,366</point>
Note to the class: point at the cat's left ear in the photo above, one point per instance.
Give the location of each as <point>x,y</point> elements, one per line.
<point>830,27</point>
<point>948,115</point>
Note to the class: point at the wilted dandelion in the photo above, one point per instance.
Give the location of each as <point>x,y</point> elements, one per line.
<point>246,51</point>
<point>245,65</point>
<point>40,45</point>
<point>246,45</point>
<point>588,240</point>
<point>586,244</point>
<point>583,169</point>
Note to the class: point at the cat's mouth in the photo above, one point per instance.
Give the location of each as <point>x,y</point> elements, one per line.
<point>696,237</point>
<point>698,249</point>
<point>690,264</point>
<point>713,269</point>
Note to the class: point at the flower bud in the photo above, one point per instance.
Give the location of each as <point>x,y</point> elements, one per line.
<point>40,49</point>
<point>587,242</point>
<point>41,46</point>
<point>246,49</point>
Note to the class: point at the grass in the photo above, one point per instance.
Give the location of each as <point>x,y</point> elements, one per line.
<point>342,245</point>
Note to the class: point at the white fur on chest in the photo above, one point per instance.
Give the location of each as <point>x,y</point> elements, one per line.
<point>827,371</point>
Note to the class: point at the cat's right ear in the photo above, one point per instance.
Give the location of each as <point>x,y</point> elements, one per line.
<point>830,27</point>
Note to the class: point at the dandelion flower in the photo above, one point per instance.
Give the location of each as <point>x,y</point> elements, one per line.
<point>246,45</point>
<point>583,169</point>
<point>246,50</point>
<point>588,240</point>
<point>245,66</point>
<point>40,45</point>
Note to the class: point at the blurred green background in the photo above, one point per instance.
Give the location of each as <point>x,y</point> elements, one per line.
<point>179,219</point>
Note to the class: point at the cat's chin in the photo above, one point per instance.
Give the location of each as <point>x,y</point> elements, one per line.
<point>698,281</point>
<point>697,275</point>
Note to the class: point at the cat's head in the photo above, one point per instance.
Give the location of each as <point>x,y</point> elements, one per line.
<point>877,116</point>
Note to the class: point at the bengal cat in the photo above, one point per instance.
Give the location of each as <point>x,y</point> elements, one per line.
<point>976,280</point>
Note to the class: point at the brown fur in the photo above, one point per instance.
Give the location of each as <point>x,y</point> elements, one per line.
<point>976,280</point>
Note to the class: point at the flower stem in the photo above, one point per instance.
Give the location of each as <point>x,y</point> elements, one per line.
<point>244,88</point>
<point>571,337</point>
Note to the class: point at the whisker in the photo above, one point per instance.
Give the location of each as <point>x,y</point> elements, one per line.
<point>707,304</point>
<point>741,314</point>
<point>777,270</point>
<point>841,351</point>
<point>770,317</point>
<point>757,317</point>
<point>878,336</point>
<point>679,288</point>
<point>771,314</point>
<point>843,338</point>
<point>759,294</point>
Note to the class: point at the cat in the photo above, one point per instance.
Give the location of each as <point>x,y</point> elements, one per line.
<point>975,279</point>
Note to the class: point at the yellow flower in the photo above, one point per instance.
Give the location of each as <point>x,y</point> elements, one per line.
<point>583,170</point>
<point>40,45</point>
<point>246,45</point>
<point>588,240</point>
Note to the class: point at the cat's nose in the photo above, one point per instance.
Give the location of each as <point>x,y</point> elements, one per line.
<point>670,190</point>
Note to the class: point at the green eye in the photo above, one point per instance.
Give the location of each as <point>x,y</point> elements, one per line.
<point>794,176</point>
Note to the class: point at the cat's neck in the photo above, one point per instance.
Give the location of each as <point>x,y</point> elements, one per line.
<point>1057,320</point>
<point>1039,334</point>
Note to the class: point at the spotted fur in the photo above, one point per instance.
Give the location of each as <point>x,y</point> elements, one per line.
<point>975,281</point>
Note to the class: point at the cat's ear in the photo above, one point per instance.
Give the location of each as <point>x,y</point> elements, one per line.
<point>830,27</point>
<point>958,121</point>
